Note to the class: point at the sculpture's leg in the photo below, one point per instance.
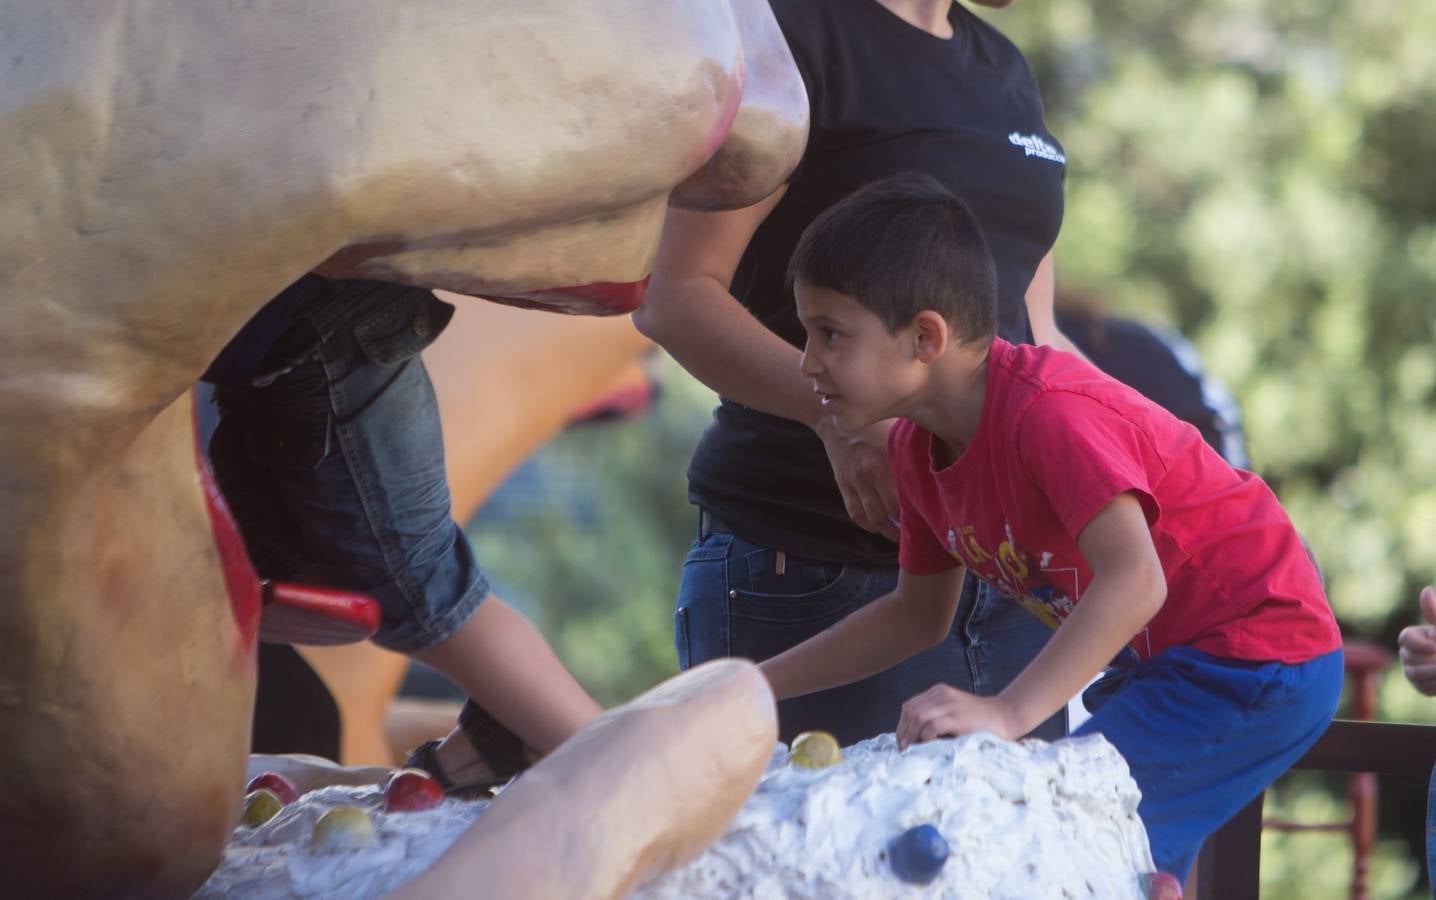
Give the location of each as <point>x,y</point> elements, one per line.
<point>126,716</point>
<point>363,679</point>
<point>509,380</point>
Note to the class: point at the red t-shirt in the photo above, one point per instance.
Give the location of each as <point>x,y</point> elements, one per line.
<point>1057,441</point>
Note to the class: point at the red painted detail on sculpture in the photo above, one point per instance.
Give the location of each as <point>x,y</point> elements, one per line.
<point>239,576</point>
<point>625,402</point>
<point>316,616</point>
<point>602,298</point>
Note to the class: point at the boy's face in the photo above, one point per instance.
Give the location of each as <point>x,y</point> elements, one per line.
<point>861,371</point>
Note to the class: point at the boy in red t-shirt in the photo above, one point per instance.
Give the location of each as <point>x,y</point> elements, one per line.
<point>1078,498</point>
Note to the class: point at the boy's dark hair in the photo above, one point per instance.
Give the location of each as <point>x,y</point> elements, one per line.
<point>899,246</point>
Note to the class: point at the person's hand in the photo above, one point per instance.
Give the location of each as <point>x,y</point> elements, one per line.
<point>943,710</point>
<point>1418,647</point>
<point>860,465</point>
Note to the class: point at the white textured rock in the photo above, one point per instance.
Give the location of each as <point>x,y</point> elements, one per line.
<point>1023,820</point>
<point>279,860</point>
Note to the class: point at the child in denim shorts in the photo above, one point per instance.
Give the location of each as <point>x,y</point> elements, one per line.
<point>329,452</point>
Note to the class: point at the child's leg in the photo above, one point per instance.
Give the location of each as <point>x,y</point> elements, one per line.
<point>1204,736</point>
<point>509,670</point>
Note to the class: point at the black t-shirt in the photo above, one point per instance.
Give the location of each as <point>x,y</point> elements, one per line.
<point>886,97</point>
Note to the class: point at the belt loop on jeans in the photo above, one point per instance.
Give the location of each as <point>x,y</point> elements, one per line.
<point>708,524</point>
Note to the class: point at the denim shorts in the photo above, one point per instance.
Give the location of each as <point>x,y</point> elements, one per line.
<point>1204,736</point>
<point>332,460</point>
<point>733,601</point>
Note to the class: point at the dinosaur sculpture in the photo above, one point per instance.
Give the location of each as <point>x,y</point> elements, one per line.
<point>172,165</point>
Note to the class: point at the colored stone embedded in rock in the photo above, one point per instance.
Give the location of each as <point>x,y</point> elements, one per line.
<point>282,787</point>
<point>344,828</point>
<point>259,807</point>
<point>815,750</point>
<point>1162,886</point>
<point>918,854</point>
<point>408,790</point>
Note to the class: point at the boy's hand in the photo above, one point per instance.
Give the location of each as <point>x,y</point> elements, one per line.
<point>860,465</point>
<point>943,710</point>
<point>1418,647</point>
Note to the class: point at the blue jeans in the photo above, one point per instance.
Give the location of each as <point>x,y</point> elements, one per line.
<point>332,461</point>
<point>1431,833</point>
<point>733,602</point>
<point>1203,736</point>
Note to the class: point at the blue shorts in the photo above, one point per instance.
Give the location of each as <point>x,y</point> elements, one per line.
<point>733,601</point>
<point>1204,736</point>
<point>332,460</point>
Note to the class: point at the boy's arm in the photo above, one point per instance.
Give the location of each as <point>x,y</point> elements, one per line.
<point>915,616</point>
<point>1126,591</point>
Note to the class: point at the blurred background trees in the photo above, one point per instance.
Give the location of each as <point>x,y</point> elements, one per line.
<point>1257,174</point>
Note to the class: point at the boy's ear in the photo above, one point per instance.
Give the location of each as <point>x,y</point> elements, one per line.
<point>930,335</point>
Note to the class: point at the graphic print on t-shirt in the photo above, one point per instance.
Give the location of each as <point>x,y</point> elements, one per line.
<point>1035,145</point>
<point>1011,570</point>
<point>1049,592</point>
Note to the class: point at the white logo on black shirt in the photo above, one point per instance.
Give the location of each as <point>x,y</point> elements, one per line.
<point>1032,145</point>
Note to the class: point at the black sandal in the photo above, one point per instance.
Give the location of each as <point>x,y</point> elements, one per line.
<point>498,748</point>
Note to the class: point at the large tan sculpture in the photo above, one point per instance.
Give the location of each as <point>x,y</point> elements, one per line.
<point>169,167</point>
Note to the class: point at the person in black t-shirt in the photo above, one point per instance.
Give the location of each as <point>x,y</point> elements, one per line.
<point>796,522</point>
